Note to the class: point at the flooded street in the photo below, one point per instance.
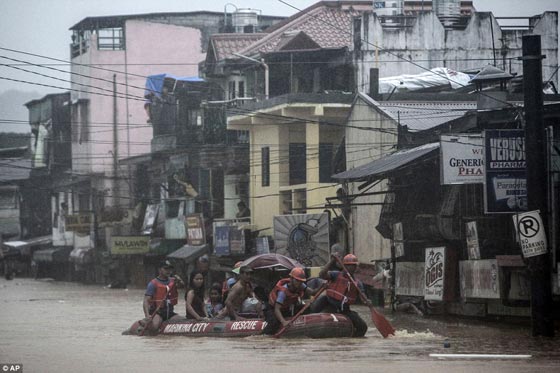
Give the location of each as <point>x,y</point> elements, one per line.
<point>60,327</point>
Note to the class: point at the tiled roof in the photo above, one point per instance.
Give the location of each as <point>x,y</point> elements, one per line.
<point>328,26</point>
<point>224,45</point>
<point>419,116</point>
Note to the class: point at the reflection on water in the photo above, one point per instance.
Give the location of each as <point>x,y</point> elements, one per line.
<point>59,327</point>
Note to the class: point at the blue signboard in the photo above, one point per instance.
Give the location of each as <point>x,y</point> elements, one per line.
<point>221,240</point>
<point>505,182</point>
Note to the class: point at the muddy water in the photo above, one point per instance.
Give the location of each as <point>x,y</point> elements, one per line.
<point>67,327</point>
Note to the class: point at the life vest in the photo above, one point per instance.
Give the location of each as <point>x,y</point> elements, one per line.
<point>291,297</point>
<point>164,293</point>
<point>342,289</point>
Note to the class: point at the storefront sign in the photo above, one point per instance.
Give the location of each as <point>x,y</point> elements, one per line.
<point>129,245</point>
<point>479,279</point>
<point>79,223</point>
<point>195,230</point>
<point>435,271</point>
<point>473,246</point>
<point>462,159</point>
<point>505,182</point>
<point>530,233</point>
<point>398,239</point>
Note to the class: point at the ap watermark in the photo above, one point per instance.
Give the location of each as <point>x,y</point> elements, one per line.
<point>11,367</point>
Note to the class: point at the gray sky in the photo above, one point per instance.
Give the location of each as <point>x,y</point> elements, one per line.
<point>40,27</point>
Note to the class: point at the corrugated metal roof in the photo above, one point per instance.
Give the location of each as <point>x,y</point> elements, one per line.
<point>419,116</point>
<point>383,165</point>
<point>14,169</point>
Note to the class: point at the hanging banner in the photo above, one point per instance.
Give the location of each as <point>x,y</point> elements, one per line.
<point>530,233</point>
<point>398,239</point>
<point>462,159</point>
<point>505,182</point>
<point>195,230</point>
<point>221,240</point>
<point>435,271</point>
<point>473,246</point>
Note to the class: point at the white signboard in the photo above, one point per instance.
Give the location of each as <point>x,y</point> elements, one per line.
<point>462,159</point>
<point>530,233</point>
<point>434,273</point>
<point>473,246</point>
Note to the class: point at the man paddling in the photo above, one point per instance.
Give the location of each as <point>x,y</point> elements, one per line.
<point>285,300</point>
<point>160,297</point>
<point>341,292</point>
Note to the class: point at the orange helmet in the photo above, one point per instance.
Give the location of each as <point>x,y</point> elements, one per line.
<point>298,273</point>
<point>350,259</point>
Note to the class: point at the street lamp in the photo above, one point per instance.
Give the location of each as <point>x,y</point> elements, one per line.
<point>261,62</point>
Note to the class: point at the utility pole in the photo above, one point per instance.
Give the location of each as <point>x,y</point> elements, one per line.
<point>542,319</point>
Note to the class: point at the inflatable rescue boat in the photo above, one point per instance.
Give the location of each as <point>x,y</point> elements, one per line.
<point>315,325</point>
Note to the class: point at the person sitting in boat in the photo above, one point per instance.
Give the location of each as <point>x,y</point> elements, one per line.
<point>160,297</point>
<point>228,283</point>
<point>341,293</point>
<point>239,292</point>
<point>194,297</point>
<point>285,300</point>
<point>214,304</point>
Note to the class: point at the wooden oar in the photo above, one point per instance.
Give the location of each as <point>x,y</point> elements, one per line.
<point>285,327</point>
<point>380,322</point>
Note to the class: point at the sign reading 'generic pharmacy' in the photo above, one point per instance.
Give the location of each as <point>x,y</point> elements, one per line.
<point>530,232</point>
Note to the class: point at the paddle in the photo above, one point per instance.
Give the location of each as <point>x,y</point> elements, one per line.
<point>285,327</point>
<point>380,322</point>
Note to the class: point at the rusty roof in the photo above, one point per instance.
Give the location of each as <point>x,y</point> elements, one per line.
<point>224,45</point>
<point>329,24</point>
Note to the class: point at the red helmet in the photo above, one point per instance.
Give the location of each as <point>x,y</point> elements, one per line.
<point>350,259</point>
<point>298,273</point>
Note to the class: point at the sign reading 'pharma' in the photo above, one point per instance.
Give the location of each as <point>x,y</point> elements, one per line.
<point>505,184</point>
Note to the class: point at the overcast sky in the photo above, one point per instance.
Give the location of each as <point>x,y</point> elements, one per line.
<point>40,27</point>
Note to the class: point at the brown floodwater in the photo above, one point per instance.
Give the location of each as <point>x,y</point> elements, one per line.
<point>53,326</point>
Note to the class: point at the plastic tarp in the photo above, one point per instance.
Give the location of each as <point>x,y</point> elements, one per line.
<point>154,83</point>
<point>437,77</point>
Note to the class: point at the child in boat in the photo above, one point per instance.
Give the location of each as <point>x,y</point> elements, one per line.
<point>194,297</point>
<point>214,304</point>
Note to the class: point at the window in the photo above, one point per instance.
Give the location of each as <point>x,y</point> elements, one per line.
<point>110,39</point>
<point>241,89</point>
<point>298,164</point>
<point>231,90</point>
<point>265,166</point>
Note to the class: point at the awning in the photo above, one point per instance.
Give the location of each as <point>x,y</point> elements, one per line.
<point>24,247</point>
<point>160,246</point>
<point>188,253</point>
<point>82,255</point>
<point>381,167</point>
<point>53,255</point>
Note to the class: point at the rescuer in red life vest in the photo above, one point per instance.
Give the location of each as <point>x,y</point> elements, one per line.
<point>284,300</point>
<point>341,293</point>
<point>160,297</point>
